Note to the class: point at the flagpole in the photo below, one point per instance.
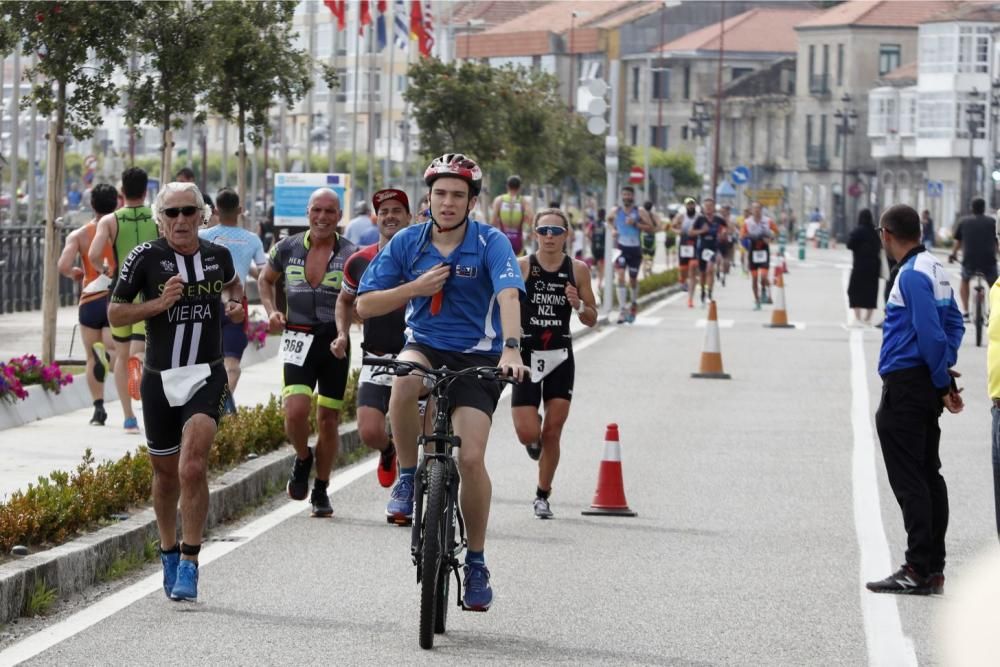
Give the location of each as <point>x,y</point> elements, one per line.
<point>354,117</point>
<point>311,45</point>
<point>331,106</point>
<point>370,116</point>
<point>387,164</point>
<point>407,134</point>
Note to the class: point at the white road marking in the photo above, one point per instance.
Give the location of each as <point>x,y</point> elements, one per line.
<point>887,645</point>
<point>643,321</point>
<point>45,639</point>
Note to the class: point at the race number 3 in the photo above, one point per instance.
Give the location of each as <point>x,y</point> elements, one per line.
<point>295,347</point>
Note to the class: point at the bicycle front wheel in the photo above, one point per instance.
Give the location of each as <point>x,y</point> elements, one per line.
<point>431,557</point>
<point>441,610</point>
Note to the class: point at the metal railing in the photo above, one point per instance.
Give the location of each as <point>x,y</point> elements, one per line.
<point>819,84</point>
<point>22,257</point>
<point>817,158</point>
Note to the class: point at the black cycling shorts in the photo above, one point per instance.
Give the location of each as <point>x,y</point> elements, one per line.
<point>990,273</point>
<point>320,370</point>
<point>465,391</point>
<point>94,314</point>
<point>164,424</point>
<point>630,258</point>
<point>371,395</point>
<point>557,384</point>
<point>681,249</point>
<point>702,263</point>
<point>758,265</point>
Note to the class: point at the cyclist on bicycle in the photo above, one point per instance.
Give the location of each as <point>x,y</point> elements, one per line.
<point>384,336</point>
<point>975,236</point>
<point>460,283</point>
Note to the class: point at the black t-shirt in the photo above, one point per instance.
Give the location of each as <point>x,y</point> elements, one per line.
<point>190,331</point>
<point>385,334</point>
<point>710,238</point>
<point>545,308</point>
<point>977,234</point>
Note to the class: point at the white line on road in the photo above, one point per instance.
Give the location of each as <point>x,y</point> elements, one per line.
<point>887,645</point>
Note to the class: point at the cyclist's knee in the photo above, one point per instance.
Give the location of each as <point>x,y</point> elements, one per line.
<point>406,390</point>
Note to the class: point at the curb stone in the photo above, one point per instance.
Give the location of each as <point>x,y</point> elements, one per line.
<point>77,565</point>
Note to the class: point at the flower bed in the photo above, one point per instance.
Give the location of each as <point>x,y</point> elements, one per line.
<point>257,331</point>
<point>28,370</point>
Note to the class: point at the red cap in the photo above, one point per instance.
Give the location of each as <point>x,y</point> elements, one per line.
<point>390,193</point>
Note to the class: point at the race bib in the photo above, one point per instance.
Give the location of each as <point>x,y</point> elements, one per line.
<point>687,251</point>
<point>295,346</point>
<point>544,362</point>
<point>368,374</point>
<point>707,255</point>
<point>758,256</point>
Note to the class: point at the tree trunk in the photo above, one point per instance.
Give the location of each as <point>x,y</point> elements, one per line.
<point>241,152</point>
<point>53,210</point>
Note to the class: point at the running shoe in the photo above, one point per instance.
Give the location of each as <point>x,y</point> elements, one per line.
<point>298,481</point>
<point>386,469</point>
<point>134,378</point>
<point>966,318</point>
<point>102,362</point>
<point>131,426</point>
<point>703,296</point>
<point>320,503</point>
<point>542,509</point>
<point>905,581</point>
<point>100,416</point>
<point>186,587</point>
<point>169,562</point>
<point>756,305</point>
<point>477,596</point>
<point>534,450</point>
<point>936,581</point>
<point>400,508</point>
<point>622,317</point>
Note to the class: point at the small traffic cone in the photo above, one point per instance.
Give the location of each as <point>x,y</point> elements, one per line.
<point>711,357</point>
<point>609,498</point>
<point>779,316</point>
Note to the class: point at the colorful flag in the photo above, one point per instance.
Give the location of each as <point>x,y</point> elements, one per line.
<point>401,33</point>
<point>365,16</point>
<point>339,10</point>
<point>381,8</point>
<point>421,27</point>
<point>428,41</point>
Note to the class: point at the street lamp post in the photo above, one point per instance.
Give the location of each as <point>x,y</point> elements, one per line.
<point>700,119</point>
<point>846,117</point>
<point>975,117</point>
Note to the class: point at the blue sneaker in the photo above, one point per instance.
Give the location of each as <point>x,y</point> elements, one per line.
<point>400,508</point>
<point>186,587</point>
<point>477,596</point>
<point>169,570</point>
<point>131,425</point>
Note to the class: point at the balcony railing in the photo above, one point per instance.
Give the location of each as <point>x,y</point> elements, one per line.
<point>819,85</point>
<point>817,157</point>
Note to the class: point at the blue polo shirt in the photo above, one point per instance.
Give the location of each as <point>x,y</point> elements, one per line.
<point>482,266</point>
<point>628,235</point>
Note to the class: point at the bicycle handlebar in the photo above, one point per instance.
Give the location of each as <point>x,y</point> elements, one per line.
<point>401,367</point>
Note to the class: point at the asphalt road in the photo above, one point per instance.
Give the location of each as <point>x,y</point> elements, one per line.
<point>756,524</point>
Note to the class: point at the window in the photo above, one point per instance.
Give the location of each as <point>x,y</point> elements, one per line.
<point>635,84</point>
<point>840,64</point>
<point>324,40</point>
<point>809,130</point>
<point>753,138</point>
<point>822,132</point>
<point>732,138</point>
<point>826,60</point>
<point>687,83</point>
<point>812,59</point>
<point>908,113</point>
<point>789,127</point>
<point>768,139</point>
<point>684,132</point>
<point>936,116</point>
<point>633,131</point>
<point>740,71</point>
<point>345,83</point>
<point>661,84</point>
<point>378,126</point>
<point>973,49</point>
<point>888,58</point>
<point>658,135</point>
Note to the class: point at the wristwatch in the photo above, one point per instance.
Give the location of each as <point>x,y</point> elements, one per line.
<point>512,343</point>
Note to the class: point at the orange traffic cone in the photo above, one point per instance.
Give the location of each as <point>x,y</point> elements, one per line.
<point>609,499</point>
<point>711,357</point>
<point>779,317</point>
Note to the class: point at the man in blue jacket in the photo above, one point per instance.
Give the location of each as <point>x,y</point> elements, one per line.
<point>920,338</point>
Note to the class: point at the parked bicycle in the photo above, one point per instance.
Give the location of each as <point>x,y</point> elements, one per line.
<point>434,546</point>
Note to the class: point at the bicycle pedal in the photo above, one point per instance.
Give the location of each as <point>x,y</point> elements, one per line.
<point>399,520</point>
<point>476,609</point>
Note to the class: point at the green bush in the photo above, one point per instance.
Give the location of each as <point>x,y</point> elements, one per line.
<point>64,504</point>
<point>656,281</point>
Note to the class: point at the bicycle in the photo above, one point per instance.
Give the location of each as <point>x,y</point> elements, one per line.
<point>982,313</point>
<point>433,543</point>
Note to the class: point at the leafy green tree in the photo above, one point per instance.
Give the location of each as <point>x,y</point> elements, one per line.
<point>252,63</point>
<point>680,164</point>
<point>170,76</point>
<point>79,46</point>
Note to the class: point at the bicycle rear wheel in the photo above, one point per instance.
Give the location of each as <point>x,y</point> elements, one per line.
<point>980,317</point>
<point>431,557</point>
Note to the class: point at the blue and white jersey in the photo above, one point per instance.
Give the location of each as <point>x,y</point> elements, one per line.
<point>923,326</point>
<point>242,244</point>
<point>628,235</point>
<point>482,266</point>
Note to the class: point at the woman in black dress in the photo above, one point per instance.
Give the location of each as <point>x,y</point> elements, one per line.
<point>862,290</point>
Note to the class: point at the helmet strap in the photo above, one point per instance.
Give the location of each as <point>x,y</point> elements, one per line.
<point>453,227</point>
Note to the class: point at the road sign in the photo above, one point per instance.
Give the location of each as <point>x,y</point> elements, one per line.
<point>769,198</point>
<point>637,175</point>
<point>935,188</point>
<point>855,189</point>
<point>292,192</point>
<point>740,175</point>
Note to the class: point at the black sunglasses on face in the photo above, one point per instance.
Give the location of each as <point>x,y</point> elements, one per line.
<point>174,211</point>
<point>550,230</point>
<point>881,229</point>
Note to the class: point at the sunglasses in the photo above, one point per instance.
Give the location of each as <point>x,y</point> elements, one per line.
<point>174,211</point>
<point>883,229</point>
<point>550,230</point>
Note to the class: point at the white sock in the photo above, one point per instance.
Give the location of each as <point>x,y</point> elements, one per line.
<point>622,291</point>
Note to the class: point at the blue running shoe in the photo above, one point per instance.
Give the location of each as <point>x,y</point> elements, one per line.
<point>400,508</point>
<point>169,570</point>
<point>131,426</point>
<point>186,587</point>
<point>477,596</point>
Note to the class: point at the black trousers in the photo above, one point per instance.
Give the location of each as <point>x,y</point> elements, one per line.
<point>907,425</point>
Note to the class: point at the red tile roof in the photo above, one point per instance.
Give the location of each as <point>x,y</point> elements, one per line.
<point>907,71</point>
<point>558,17</point>
<point>883,13</point>
<point>492,12</point>
<point>768,30</point>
